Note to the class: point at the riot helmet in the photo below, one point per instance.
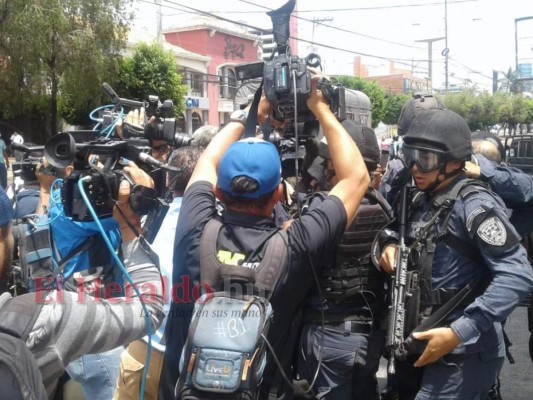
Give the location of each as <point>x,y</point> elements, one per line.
<point>365,139</point>
<point>444,132</point>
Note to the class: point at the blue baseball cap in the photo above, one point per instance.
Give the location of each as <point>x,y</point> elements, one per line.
<point>255,159</point>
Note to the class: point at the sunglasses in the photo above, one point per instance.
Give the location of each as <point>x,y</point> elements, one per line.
<point>425,159</point>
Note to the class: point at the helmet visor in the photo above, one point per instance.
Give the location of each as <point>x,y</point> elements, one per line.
<point>426,159</point>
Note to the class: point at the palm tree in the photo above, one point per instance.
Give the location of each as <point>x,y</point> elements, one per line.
<point>510,83</point>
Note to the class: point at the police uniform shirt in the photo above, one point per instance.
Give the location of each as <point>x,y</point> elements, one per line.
<point>480,220</point>
<point>311,238</point>
<point>515,187</point>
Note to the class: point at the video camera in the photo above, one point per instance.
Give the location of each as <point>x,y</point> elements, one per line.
<point>163,128</point>
<point>26,168</point>
<point>100,184</point>
<point>286,78</point>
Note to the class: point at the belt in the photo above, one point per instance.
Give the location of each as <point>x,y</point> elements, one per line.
<point>348,327</point>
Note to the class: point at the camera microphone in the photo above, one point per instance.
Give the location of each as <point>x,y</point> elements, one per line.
<point>134,153</point>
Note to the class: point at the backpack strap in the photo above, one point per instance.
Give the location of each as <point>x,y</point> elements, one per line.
<point>269,269</point>
<point>18,315</point>
<point>462,188</point>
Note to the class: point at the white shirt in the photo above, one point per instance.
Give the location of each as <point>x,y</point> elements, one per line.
<point>17,138</point>
<point>163,246</point>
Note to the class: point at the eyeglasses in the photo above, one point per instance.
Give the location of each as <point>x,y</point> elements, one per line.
<point>425,159</point>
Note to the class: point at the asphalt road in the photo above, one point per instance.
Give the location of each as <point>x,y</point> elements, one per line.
<point>517,379</point>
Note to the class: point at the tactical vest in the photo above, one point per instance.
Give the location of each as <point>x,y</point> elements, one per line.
<point>266,273</point>
<point>428,226</point>
<point>352,271</point>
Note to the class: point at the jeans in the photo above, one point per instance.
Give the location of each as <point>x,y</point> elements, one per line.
<point>97,373</point>
<point>3,175</point>
<point>349,362</point>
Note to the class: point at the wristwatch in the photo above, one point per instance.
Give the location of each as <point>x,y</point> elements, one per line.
<point>239,116</point>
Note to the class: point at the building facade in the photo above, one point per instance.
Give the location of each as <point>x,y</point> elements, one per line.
<point>212,89</point>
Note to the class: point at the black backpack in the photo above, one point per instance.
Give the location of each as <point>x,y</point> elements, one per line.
<point>225,353</point>
<point>20,377</point>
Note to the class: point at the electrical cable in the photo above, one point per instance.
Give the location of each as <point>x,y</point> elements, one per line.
<point>338,28</point>
<point>128,278</point>
<point>201,12</point>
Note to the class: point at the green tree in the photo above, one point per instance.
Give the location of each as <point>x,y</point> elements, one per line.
<point>45,44</point>
<point>151,71</point>
<point>393,108</point>
<point>374,92</point>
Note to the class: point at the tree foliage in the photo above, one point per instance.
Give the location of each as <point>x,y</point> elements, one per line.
<point>48,47</point>
<point>151,71</point>
<point>482,111</point>
<point>393,108</point>
<point>374,92</point>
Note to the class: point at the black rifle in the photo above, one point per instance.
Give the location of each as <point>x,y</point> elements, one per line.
<point>399,289</point>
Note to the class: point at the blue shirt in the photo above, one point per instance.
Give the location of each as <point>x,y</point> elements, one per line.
<point>163,246</point>
<point>2,149</point>
<point>68,234</point>
<point>515,187</point>
<point>6,210</point>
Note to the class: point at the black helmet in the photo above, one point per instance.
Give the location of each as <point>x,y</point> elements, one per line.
<point>365,139</point>
<point>443,130</point>
<point>415,106</point>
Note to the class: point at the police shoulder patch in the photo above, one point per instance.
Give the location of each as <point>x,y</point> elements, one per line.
<point>492,231</point>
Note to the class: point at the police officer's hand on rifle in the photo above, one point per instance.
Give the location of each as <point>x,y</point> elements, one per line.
<point>441,341</point>
<point>388,258</point>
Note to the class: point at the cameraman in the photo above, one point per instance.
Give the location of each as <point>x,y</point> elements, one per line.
<point>246,175</point>
<point>85,271</point>
<point>65,328</point>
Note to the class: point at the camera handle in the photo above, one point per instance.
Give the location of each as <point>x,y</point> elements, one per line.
<point>251,122</point>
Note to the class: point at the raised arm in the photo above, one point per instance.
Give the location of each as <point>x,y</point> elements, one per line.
<point>350,169</point>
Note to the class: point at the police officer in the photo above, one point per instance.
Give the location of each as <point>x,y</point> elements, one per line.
<point>348,339</point>
<point>463,356</point>
<point>513,185</point>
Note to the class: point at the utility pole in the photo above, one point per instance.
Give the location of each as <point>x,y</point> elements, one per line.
<point>316,22</point>
<point>430,56</point>
<point>159,22</point>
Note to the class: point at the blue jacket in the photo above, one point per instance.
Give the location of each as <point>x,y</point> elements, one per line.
<point>515,187</point>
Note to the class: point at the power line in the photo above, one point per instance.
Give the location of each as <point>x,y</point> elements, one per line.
<point>359,8</point>
<point>201,12</point>
<point>341,29</point>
